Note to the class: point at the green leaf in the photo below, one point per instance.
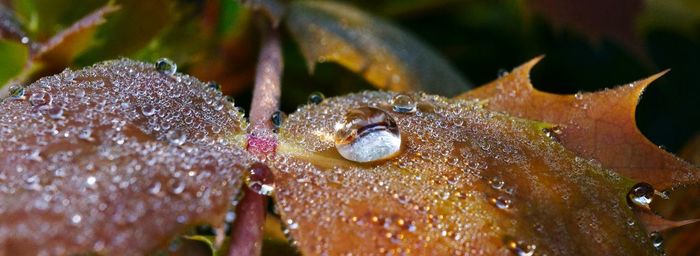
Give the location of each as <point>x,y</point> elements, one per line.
<point>131,29</point>
<point>383,54</point>
<point>13,56</point>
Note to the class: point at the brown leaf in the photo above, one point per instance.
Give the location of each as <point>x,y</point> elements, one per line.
<point>117,158</point>
<point>384,55</point>
<point>466,181</point>
<point>599,125</point>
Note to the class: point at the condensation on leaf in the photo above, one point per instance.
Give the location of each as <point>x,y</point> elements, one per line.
<point>103,177</point>
<point>599,125</point>
<point>383,54</point>
<point>439,196</point>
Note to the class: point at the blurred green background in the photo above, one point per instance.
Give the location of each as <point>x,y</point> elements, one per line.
<point>589,45</point>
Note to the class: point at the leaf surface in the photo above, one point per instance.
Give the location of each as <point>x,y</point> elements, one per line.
<point>115,159</point>
<point>384,55</point>
<point>599,125</point>
<point>467,181</point>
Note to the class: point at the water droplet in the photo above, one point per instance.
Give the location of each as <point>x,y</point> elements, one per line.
<point>166,66</point>
<point>578,95</point>
<point>367,134</point>
<point>260,180</point>
<point>17,92</point>
<point>176,137</point>
<point>497,183</point>
<point>154,189</point>
<point>502,72</point>
<point>214,86</point>
<point>403,103</point>
<point>277,118</point>
<point>657,240</point>
<point>519,247</point>
<point>91,181</point>
<point>178,187</point>
<point>229,99</point>
<point>40,98</point>
<point>85,134</point>
<point>55,111</point>
<point>148,110</point>
<point>76,219</point>
<point>501,202</point>
<point>640,195</point>
<point>316,98</point>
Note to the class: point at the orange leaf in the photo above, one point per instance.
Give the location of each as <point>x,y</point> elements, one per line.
<point>599,125</point>
<point>465,181</point>
<point>117,158</point>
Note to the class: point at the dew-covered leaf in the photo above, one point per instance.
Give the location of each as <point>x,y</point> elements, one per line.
<point>465,181</point>
<point>599,125</point>
<point>384,55</point>
<point>117,158</point>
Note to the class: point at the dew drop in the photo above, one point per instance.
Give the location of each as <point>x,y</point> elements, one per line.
<point>85,134</point>
<point>178,187</point>
<point>402,103</point>
<point>657,241</point>
<point>640,195</point>
<point>55,111</point>
<point>501,202</point>
<point>502,72</point>
<point>154,189</point>
<point>367,134</point>
<point>260,180</point>
<point>214,86</point>
<point>148,110</point>
<point>497,183</point>
<point>17,92</point>
<point>277,118</point>
<point>176,137</point>
<point>519,247</point>
<point>40,98</point>
<point>166,66</point>
<point>316,98</point>
<point>76,219</point>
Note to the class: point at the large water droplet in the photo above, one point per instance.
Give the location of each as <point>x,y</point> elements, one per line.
<point>316,98</point>
<point>176,137</point>
<point>166,66</point>
<point>214,86</point>
<point>367,134</point>
<point>640,195</point>
<point>76,219</point>
<point>403,103</point>
<point>260,179</point>
<point>40,98</point>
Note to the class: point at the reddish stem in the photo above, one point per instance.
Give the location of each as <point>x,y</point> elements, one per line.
<point>247,232</point>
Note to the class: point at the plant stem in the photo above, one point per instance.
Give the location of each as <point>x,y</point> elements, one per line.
<point>247,232</point>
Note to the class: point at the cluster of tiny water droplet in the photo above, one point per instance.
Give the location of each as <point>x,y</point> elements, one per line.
<point>118,155</point>
<point>462,171</point>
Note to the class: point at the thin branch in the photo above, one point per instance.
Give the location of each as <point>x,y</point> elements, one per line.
<point>247,233</point>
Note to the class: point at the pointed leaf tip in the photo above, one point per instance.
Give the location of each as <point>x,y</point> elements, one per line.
<point>599,125</point>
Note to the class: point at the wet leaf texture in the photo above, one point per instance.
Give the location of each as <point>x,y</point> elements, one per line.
<point>115,159</point>
<point>467,181</point>
<point>599,125</point>
<point>384,55</point>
